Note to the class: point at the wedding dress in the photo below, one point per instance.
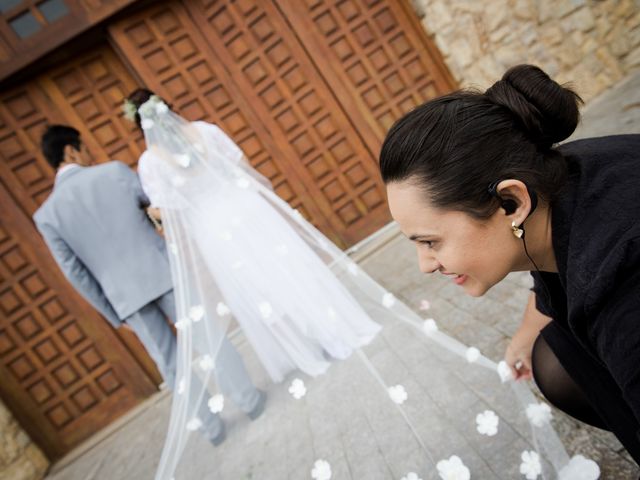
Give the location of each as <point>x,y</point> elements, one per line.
<point>266,266</point>
<point>239,251</point>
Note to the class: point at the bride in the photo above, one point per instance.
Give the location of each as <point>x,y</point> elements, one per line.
<point>239,251</point>
<point>266,266</point>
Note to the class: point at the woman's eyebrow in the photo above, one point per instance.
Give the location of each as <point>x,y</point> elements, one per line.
<point>421,235</point>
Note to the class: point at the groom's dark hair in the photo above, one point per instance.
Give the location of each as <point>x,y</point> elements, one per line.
<point>54,139</point>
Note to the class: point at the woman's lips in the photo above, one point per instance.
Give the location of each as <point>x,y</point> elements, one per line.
<point>457,279</point>
<point>460,279</point>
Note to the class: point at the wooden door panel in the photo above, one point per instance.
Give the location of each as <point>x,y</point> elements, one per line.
<point>375,56</point>
<point>255,43</point>
<point>22,122</point>
<point>171,56</point>
<point>63,371</point>
<point>89,93</point>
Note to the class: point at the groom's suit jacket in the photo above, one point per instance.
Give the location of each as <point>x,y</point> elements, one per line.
<point>100,237</point>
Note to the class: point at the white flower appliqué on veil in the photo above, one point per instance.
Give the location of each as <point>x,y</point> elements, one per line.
<point>353,269</point>
<point>181,386</point>
<point>504,371</point>
<point>266,310</point>
<point>297,389</point>
<point>472,354</point>
<point>183,160</point>
<point>539,414</point>
<point>196,313</point>
<point>398,394</point>
<point>206,363</point>
<point>530,466</point>
<point>453,469</point>
<point>580,468</point>
<point>487,423</point>
<point>194,424</point>
<point>222,310</point>
<point>182,323</point>
<point>321,470</point>
<point>243,183</point>
<point>429,327</point>
<point>411,476</point>
<point>388,300</point>
<point>216,403</point>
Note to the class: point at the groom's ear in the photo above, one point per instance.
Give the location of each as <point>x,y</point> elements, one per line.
<point>69,153</point>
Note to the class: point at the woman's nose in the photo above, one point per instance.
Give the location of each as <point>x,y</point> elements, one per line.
<point>427,263</point>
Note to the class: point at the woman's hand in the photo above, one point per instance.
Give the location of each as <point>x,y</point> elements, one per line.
<point>518,354</point>
<point>155,216</point>
<point>154,213</point>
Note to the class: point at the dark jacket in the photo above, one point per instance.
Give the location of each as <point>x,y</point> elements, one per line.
<point>595,296</point>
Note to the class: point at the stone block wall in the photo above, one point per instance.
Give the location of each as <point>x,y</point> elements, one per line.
<point>591,43</point>
<point>20,458</point>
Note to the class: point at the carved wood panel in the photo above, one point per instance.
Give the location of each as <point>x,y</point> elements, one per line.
<point>24,114</point>
<point>374,54</point>
<point>63,371</point>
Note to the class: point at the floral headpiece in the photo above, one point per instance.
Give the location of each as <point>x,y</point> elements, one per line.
<point>151,108</point>
<point>130,110</point>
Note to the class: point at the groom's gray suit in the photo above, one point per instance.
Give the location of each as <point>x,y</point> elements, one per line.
<point>98,233</point>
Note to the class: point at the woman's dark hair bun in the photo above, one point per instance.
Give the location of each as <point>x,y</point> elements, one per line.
<point>546,111</point>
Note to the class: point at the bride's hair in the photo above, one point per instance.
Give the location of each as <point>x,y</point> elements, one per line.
<point>136,99</point>
<point>455,146</point>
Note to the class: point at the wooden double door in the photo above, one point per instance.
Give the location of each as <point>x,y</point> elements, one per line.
<point>306,88</point>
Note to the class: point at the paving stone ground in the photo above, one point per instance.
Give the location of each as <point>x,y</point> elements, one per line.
<point>376,444</point>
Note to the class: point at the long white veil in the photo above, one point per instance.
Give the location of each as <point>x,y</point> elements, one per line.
<point>207,197</point>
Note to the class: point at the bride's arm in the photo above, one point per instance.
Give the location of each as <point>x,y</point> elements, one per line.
<point>149,181</point>
<point>225,145</point>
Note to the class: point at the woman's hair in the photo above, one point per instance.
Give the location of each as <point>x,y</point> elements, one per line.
<point>455,146</point>
<point>53,141</point>
<point>137,98</point>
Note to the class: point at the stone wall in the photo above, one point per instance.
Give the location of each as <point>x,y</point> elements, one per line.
<point>590,43</point>
<point>20,458</point>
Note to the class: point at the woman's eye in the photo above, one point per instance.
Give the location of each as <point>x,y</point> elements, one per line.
<point>428,243</point>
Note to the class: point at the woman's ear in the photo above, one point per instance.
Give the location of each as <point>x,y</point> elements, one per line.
<point>515,199</point>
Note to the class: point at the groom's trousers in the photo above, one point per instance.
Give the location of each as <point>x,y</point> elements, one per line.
<point>231,376</point>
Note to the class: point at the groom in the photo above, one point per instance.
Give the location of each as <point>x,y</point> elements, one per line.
<point>94,224</point>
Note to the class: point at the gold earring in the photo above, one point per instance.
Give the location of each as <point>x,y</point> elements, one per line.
<point>517,231</point>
